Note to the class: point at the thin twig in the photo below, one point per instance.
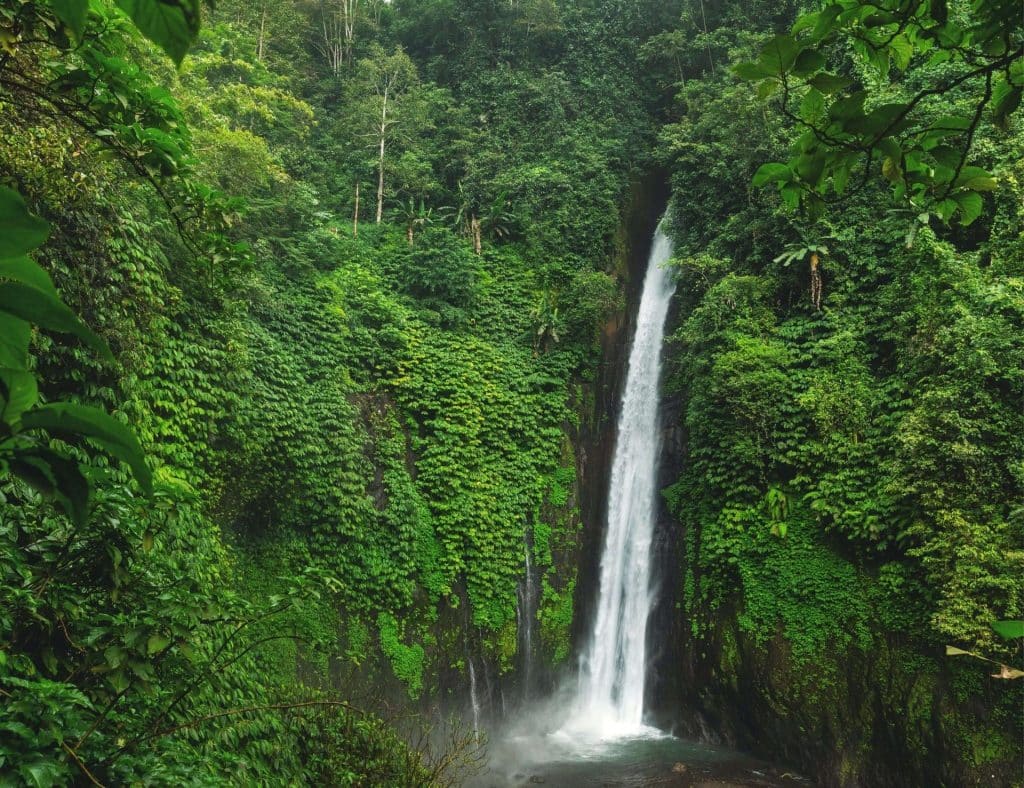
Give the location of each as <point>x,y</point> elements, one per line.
<point>78,762</point>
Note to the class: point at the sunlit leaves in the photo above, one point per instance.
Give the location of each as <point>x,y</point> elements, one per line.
<point>891,139</point>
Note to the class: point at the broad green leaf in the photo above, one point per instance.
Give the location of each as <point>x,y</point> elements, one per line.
<point>47,311</point>
<point>953,651</point>
<point>902,51</point>
<point>971,205</point>
<point>946,156</point>
<point>812,105</point>
<point>773,172</point>
<point>1005,100</point>
<point>20,392</point>
<point>841,173</point>
<point>810,166</point>
<point>751,71</point>
<point>157,643</point>
<point>54,476</point>
<point>20,231</point>
<point>879,58</point>
<point>976,179</point>
<point>27,271</point>
<point>1011,630</point>
<point>790,196</point>
<point>885,120</point>
<point>807,62</point>
<point>848,108</point>
<point>950,124</point>
<point>826,21</point>
<point>779,54</point>
<point>828,83</point>
<point>945,209</point>
<point>72,13</point>
<point>170,24</point>
<point>15,335</point>
<point>80,420</point>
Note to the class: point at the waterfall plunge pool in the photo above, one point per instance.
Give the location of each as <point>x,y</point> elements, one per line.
<point>593,734</point>
<point>652,758</point>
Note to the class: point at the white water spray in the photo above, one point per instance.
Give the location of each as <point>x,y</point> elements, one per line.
<point>611,691</point>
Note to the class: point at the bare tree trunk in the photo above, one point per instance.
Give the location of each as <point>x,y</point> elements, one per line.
<point>815,281</point>
<point>380,160</point>
<point>349,8</point>
<point>711,59</point>
<point>474,228</point>
<point>355,215</point>
<point>332,45</point>
<point>261,38</point>
<point>409,233</point>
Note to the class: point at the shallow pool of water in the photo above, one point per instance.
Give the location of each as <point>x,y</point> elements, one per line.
<point>654,759</point>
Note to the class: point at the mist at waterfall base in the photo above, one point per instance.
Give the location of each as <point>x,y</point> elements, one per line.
<point>591,731</point>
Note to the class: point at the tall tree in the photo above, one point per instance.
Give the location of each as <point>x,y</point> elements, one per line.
<point>392,107</point>
<point>337,32</point>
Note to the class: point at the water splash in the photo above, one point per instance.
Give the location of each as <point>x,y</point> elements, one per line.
<point>610,697</point>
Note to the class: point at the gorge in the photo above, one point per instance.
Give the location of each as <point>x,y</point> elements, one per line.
<point>441,392</point>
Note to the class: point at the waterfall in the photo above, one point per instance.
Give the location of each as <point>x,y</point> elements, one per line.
<point>526,609</point>
<point>473,697</point>
<point>611,689</point>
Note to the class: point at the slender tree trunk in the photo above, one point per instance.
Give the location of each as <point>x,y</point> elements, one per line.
<point>474,228</point>
<point>351,8</point>
<point>703,16</point>
<point>380,160</point>
<point>355,215</point>
<point>409,233</point>
<point>261,38</point>
<point>815,281</point>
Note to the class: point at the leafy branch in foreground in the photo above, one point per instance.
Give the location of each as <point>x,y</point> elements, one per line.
<point>855,130</point>
<point>27,427</point>
<point>1009,630</point>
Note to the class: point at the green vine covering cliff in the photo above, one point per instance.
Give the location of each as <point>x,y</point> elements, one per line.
<point>301,314</point>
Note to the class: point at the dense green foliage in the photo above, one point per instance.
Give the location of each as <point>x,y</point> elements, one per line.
<point>852,398</point>
<point>343,269</point>
<point>348,318</point>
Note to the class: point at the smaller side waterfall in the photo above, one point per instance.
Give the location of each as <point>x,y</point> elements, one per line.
<point>474,698</point>
<point>526,611</point>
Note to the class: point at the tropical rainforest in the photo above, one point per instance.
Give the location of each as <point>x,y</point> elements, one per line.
<point>309,317</point>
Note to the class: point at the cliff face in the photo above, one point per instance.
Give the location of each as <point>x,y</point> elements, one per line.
<point>893,716</point>
<point>882,708</point>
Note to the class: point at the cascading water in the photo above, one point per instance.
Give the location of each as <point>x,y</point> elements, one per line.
<point>611,690</point>
<point>526,609</point>
<point>474,700</point>
<point>599,737</point>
